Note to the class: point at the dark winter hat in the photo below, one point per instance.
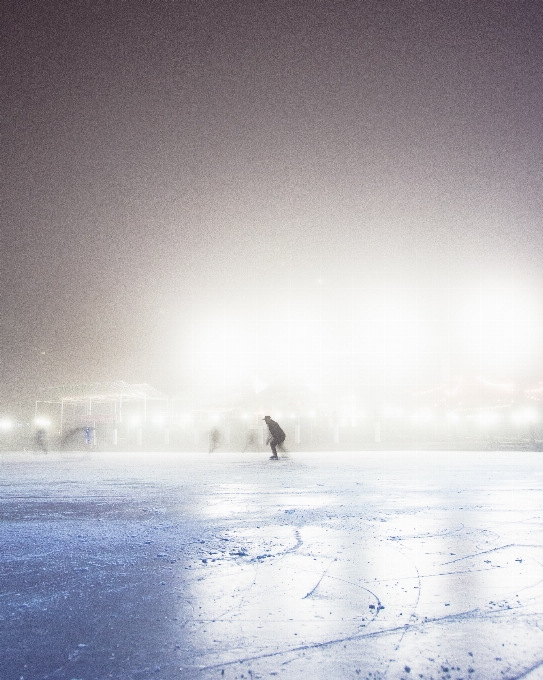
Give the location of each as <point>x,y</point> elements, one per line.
<point>266,418</point>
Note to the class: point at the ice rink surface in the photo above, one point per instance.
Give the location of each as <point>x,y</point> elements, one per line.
<point>319,566</point>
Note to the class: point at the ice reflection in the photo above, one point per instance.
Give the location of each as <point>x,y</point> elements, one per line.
<point>379,567</point>
<point>310,569</point>
<point>294,595</point>
<point>235,498</point>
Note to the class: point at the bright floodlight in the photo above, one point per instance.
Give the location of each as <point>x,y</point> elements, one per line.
<point>6,424</point>
<point>42,422</point>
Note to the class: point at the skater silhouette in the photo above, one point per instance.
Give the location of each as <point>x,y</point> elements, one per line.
<point>275,438</point>
<point>214,439</point>
<point>41,440</point>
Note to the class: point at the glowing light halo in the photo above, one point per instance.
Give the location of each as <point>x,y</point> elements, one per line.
<point>525,416</point>
<point>378,333</point>
<point>223,357</point>
<point>498,319</point>
<point>488,418</point>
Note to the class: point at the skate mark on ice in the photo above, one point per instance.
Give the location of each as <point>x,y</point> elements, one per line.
<point>240,601</point>
<point>409,537</point>
<point>298,545</point>
<point>301,648</point>
<point>491,550</point>
<point>528,672</point>
<point>412,616</point>
<point>475,613</point>
<point>319,581</point>
<point>280,555</point>
<point>367,590</point>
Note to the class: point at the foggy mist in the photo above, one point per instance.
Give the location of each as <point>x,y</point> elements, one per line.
<point>341,194</point>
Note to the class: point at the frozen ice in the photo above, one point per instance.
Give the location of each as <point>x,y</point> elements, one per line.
<point>323,565</point>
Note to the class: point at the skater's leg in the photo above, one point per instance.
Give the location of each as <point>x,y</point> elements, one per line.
<point>273,445</point>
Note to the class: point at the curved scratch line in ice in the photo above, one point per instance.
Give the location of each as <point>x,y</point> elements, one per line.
<point>299,542</point>
<point>534,585</point>
<point>319,581</point>
<point>502,547</point>
<point>241,600</point>
<point>471,614</point>
<point>357,636</point>
<point>527,672</point>
<point>281,555</point>
<point>413,613</point>
<point>315,645</point>
<point>414,536</point>
<point>357,585</point>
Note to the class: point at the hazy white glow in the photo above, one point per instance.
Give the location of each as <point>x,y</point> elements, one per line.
<point>135,420</point>
<point>40,421</point>
<point>488,418</point>
<point>383,334</point>
<point>423,417</point>
<point>6,424</point>
<point>392,412</point>
<point>525,416</point>
<point>453,417</point>
<point>499,320</point>
<point>507,387</point>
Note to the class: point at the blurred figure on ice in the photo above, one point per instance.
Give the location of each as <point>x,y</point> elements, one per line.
<point>214,439</point>
<point>72,436</point>
<point>41,440</point>
<point>69,436</point>
<point>275,438</point>
<point>251,442</point>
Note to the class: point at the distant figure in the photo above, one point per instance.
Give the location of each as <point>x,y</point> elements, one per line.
<point>252,441</point>
<point>41,440</point>
<point>275,438</point>
<point>214,439</point>
<point>69,436</point>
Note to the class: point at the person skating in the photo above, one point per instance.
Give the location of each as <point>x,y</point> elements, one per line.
<point>214,439</point>
<point>276,436</point>
<point>41,440</point>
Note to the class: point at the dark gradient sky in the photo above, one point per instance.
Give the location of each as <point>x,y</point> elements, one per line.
<point>165,159</point>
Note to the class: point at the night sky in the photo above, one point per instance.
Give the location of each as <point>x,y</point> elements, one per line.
<point>216,177</point>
